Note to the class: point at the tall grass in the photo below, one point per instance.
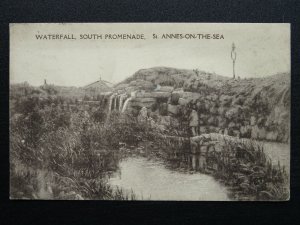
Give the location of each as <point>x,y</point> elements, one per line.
<point>63,153</point>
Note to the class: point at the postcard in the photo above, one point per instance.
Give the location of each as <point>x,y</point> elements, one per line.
<point>150,111</point>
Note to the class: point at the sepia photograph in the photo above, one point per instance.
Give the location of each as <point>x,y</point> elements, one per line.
<point>150,111</point>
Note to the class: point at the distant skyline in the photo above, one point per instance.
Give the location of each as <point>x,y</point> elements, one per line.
<point>262,50</point>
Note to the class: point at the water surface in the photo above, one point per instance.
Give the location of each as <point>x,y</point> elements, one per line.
<point>151,180</point>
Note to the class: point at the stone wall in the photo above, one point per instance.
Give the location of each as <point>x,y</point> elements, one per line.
<point>218,113</point>
<point>257,108</point>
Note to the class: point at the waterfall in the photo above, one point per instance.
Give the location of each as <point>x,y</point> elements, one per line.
<point>115,102</point>
<point>121,101</point>
<point>125,104</point>
<point>110,104</point>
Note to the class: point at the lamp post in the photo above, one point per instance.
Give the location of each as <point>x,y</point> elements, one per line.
<point>233,57</point>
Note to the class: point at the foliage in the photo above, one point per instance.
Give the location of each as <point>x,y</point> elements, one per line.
<point>75,146</point>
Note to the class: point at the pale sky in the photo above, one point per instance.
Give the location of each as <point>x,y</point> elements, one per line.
<point>262,50</point>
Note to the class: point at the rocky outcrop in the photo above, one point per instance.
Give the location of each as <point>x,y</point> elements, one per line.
<point>252,108</point>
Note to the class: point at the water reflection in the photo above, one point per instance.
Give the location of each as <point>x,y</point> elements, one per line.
<point>150,179</point>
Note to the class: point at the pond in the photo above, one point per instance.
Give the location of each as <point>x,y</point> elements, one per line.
<point>178,177</point>
<point>149,179</point>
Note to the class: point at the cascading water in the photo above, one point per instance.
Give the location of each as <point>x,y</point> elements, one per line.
<point>133,95</point>
<point>111,98</point>
<point>115,102</point>
<point>125,104</point>
<point>122,97</point>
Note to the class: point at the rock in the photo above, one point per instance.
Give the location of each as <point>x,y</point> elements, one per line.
<point>163,109</point>
<point>142,104</point>
<point>130,89</point>
<point>174,98</point>
<point>166,89</point>
<point>173,109</point>
<point>143,100</point>
<point>143,84</point>
<point>156,94</point>
<point>182,101</point>
<point>189,95</point>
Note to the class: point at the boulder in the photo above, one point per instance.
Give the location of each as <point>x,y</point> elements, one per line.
<point>156,94</point>
<point>130,89</point>
<point>144,84</point>
<point>143,100</point>
<point>188,95</point>
<point>174,98</point>
<point>166,89</point>
<point>142,104</point>
<point>163,109</point>
<point>173,109</point>
<point>182,101</point>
